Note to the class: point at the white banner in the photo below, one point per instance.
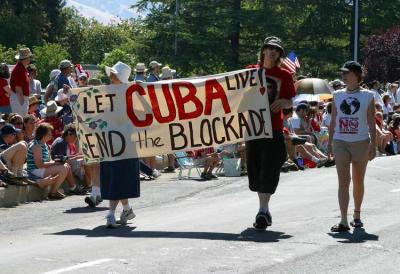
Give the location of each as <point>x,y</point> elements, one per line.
<point>144,119</point>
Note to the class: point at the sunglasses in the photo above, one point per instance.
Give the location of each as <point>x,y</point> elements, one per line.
<point>270,47</point>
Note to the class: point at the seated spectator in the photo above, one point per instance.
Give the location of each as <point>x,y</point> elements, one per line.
<point>383,137</point>
<point>82,80</point>
<point>29,128</point>
<point>12,153</point>
<point>326,118</point>
<point>171,164</point>
<point>34,108</point>
<point>40,164</point>
<point>51,89</point>
<point>296,144</point>
<point>66,146</point>
<point>300,123</point>
<point>207,158</point>
<point>66,112</point>
<point>394,128</point>
<point>237,150</point>
<point>5,89</point>
<point>387,107</point>
<point>50,113</point>
<point>18,122</point>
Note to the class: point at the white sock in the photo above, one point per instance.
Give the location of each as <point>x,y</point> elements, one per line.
<point>315,159</point>
<point>72,188</point>
<point>126,207</point>
<point>111,212</point>
<point>95,191</point>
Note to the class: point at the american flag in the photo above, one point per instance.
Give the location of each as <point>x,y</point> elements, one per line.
<point>291,63</point>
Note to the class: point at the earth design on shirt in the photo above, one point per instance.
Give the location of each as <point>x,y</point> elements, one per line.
<point>350,106</point>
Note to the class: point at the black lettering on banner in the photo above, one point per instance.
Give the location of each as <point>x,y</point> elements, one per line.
<point>101,140</point>
<point>98,103</point>
<point>203,134</point>
<point>263,121</point>
<point>237,81</point>
<point>253,81</point>
<point>123,145</point>
<point>227,125</point>
<point>260,76</point>
<point>214,128</point>
<point>192,144</point>
<point>228,84</point>
<point>243,123</point>
<point>260,119</point>
<point>111,97</point>
<point>173,135</point>
<point>244,79</point>
<point>85,106</point>
<point>90,145</point>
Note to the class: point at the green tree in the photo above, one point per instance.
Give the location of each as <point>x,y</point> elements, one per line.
<point>47,58</point>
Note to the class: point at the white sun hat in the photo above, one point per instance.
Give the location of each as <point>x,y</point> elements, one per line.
<point>121,70</point>
<point>167,73</point>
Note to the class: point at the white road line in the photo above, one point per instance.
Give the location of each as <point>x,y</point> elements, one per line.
<point>395,190</point>
<point>79,266</point>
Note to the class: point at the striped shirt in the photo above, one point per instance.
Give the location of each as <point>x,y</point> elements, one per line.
<point>31,161</point>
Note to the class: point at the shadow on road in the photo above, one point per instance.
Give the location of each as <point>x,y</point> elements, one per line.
<point>249,234</point>
<point>85,209</point>
<point>359,235</point>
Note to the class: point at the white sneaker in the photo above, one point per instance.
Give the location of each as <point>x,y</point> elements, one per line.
<point>125,216</point>
<point>111,223</point>
<point>156,173</point>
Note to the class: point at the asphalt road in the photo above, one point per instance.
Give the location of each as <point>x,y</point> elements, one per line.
<point>206,227</point>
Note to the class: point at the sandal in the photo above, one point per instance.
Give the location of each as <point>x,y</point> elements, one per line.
<point>56,196</point>
<point>356,223</point>
<point>340,228</point>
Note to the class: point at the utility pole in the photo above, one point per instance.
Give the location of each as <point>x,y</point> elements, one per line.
<point>176,25</point>
<point>356,30</point>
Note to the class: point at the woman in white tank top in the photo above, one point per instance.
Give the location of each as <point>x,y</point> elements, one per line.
<point>352,137</point>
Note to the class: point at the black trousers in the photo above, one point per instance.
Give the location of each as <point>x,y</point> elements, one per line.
<point>265,157</point>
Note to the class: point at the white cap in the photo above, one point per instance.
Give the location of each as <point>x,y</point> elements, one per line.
<point>121,70</point>
<point>60,95</point>
<point>140,67</point>
<point>154,64</point>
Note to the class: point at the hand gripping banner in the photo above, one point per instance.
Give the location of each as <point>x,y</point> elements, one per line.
<point>145,119</point>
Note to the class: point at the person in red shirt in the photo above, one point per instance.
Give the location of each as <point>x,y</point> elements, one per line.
<point>5,90</point>
<point>265,157</point>
<point>19,82</point>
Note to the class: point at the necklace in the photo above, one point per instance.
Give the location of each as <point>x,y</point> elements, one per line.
<point>353,90</point>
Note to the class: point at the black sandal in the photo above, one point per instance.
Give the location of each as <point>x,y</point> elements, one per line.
<point>340,228</point>
<point>356,223</point>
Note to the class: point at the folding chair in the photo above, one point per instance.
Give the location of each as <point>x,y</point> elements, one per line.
<point>186,162</point>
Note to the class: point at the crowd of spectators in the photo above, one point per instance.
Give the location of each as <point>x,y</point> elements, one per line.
<point>38,140</point>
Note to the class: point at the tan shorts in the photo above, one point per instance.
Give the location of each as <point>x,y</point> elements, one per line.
<point>351,151</point>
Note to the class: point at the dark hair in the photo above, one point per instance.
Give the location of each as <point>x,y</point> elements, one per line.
<point>329,107</point>
<point>395,107</point>
<point>302,106</point>
<point>395,123</point>
<point>4,71</point>
<point>287,111</point>
<point>385,97</point>
<point>32,68</point>
<point>12,119</point>
<point>42,130</point>
<point>69,130</point>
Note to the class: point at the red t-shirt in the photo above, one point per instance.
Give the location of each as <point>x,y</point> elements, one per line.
<point>19,77</point>
<point>4,100</point>
<point>280,86</point>
<point>57,125</point>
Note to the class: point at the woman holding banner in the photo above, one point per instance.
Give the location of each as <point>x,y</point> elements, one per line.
<point>265,157</point>
<point>119,180</point>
